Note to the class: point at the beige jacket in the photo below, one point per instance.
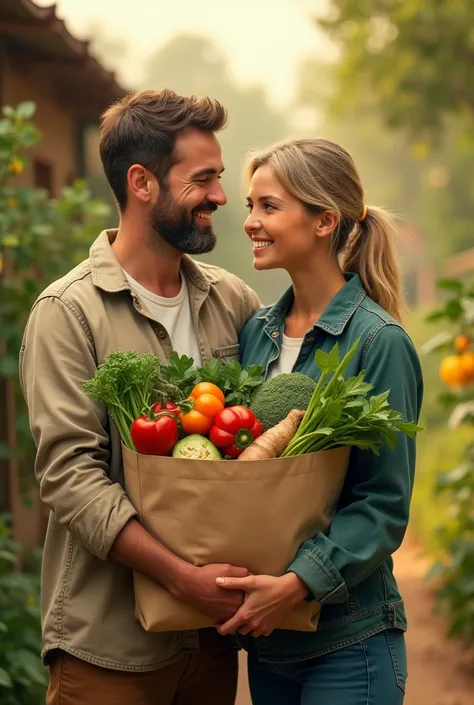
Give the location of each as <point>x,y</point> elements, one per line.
<point>87,600</point>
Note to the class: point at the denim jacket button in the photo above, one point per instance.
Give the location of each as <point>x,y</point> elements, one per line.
<point>275,334</point>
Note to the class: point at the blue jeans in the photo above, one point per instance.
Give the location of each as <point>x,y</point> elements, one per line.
<point>370,672</point>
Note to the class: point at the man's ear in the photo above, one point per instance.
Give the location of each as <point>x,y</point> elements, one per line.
<point>142,184</point>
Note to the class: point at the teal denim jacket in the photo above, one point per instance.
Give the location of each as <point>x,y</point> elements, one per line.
<point>350,569</point>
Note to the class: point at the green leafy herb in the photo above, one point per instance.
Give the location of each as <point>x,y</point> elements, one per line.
<point>341,413</point>
<point>125,384</point>
<point>213,371</point>
<point>180,372</point>
<point>239,384</point>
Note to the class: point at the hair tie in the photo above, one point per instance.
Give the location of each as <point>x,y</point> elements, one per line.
<point>364,214</point>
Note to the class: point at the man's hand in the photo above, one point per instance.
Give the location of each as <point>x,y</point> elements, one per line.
<point>199,589</point>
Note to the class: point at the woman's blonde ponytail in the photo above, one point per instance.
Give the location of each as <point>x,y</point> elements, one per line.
<point>370,252</point>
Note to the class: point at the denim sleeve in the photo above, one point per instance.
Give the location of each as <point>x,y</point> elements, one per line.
<point>373,514</point>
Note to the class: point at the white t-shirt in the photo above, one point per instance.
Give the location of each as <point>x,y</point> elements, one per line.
<point>175,316</point>
<point>290,349</point>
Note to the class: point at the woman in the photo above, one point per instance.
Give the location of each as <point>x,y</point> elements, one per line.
<point>307,215</point>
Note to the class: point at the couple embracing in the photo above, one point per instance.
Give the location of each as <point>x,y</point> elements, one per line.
<point>141,289</point>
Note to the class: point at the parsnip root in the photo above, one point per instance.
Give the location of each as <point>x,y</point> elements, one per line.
<point>273,442</point>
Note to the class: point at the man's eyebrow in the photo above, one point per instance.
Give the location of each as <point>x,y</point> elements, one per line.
<point>208,171</point>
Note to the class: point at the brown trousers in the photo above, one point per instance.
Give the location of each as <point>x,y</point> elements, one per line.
<point>206,677</point>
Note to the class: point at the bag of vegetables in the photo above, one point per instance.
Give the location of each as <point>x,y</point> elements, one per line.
<point>224,467</point>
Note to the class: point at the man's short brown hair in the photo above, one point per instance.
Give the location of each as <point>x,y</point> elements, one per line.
<point>142,129</point>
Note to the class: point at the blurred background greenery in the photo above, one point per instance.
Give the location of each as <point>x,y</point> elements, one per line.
<point>394,83</point>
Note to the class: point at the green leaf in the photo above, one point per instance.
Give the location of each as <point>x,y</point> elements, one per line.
<point>333,412</point>
<point>322,360</point>
<point>454,310</point>
<point>212,371</point>
<point>7,556</point>
<point>455,285</point>
<point>28,663</point>
<point>436,315</point>
<point>5,680</point>
<point>26,110</point>
<point>333,358</point>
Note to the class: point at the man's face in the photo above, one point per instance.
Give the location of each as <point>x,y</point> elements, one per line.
<point>183,212</point>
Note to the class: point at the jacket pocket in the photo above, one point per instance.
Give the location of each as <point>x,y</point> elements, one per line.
<point>227,353</point>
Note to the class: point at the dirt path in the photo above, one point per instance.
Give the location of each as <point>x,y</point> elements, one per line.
<point>440,673</point>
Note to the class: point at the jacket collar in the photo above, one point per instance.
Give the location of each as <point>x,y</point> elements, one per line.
<point>337,314</point>
<point>108,275</point>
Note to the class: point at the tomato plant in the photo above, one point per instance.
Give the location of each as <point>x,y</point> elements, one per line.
<point>456,571</point>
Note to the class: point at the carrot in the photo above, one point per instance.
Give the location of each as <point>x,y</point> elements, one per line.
<point>273,442</point>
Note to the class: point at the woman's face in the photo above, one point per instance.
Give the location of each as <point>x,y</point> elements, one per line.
<point>284,234</point>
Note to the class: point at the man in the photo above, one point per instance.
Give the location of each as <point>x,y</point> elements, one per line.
<point>139,290</point>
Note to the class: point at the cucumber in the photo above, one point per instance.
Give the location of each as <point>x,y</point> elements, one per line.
<point>196,447</point>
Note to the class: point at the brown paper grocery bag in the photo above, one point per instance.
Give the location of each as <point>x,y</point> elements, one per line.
<point>254,514</point>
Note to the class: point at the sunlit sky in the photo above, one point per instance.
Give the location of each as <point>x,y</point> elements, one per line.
<point>263,40</point>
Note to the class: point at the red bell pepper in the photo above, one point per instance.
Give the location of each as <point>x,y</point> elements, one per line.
<point>155,434</point>
<point>235,428</point>
<point>169,406</point>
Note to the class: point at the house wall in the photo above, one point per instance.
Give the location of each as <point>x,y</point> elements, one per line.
<point>56,153</point>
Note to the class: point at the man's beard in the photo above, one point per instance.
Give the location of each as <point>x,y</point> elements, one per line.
<point>175,224</point>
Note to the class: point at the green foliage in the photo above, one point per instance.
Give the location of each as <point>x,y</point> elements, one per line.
<point>455,538</point>
<point>341,413</point>
<point>40,239</point>
<point>23,678</point>
<point>414,59</point>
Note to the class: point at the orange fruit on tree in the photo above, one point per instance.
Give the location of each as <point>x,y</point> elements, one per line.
<point>452,371</point>
<point>461,343</point>
<point>467,362</point>
<point>16,166</point>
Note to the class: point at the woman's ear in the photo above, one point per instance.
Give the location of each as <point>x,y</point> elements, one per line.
<point>327,222</point>
<point>142,184</point>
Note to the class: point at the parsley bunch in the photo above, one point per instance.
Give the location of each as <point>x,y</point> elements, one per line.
<point>125,384</point>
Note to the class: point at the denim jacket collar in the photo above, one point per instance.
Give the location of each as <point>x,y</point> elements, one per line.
<point>335,317</point>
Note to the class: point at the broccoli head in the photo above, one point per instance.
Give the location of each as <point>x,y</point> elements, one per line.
<point>274,399</point>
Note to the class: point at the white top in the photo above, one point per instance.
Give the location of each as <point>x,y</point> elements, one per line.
<point>174,314</point>
<point>290,349</point>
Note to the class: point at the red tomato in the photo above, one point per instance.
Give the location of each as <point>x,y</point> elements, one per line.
<point>169,406</point>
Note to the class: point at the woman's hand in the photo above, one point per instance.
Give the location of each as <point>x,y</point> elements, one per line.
<point>268,601</point>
